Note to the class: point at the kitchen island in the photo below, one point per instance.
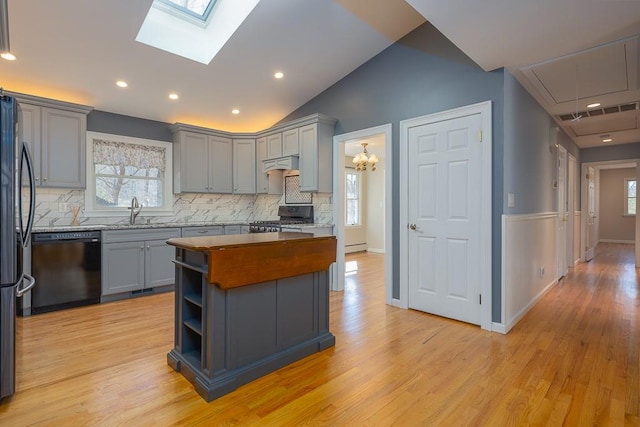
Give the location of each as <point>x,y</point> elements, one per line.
<point>247,305</point>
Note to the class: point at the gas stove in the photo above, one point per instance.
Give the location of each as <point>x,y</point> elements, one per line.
<point>289,215</point>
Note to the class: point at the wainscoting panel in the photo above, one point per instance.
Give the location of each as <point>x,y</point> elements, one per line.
<point>529,262</point>
<point>577,238</point>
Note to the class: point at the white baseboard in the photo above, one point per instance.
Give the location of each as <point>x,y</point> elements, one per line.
<point>355,248</point>
<point>498,327</point>
<point>526,308</point>
<point>626,242</point>
<point>375,250</point>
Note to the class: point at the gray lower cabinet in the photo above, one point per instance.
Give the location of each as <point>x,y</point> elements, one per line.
<point>232,229</point>
<point>137,259</point>
<point>216,230</point>
<point>316,231</point>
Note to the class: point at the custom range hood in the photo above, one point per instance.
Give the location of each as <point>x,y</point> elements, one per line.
<point>280,163</point>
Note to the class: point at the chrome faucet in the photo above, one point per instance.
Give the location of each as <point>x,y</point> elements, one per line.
<point>135,207</point>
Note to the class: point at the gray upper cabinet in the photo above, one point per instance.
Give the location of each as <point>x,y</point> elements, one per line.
<point>57,140</point>
<point>316,156</point>
<point>220,164</point>
<point>274,146</point>
<point>290,142</point>
<point>212,161</point>
<point>282,144</point>
<point>262,179</point>
<point>244,166</point>
<point>191,170</point>
<point>202,163</point>
<point>266,183</point>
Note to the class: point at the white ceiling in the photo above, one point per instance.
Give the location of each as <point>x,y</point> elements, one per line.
<point>75,50</point>
<point>549,46</point>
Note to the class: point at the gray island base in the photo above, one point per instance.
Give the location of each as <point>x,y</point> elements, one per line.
<point>248,305</point>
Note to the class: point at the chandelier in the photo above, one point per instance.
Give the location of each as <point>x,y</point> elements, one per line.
<point>362,159</point>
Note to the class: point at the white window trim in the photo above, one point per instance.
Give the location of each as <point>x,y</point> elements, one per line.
<point>359,175</point>
<point>90,192</point>
<point>625,200</point>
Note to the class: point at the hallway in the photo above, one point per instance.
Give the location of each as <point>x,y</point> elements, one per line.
<point>583,343</point>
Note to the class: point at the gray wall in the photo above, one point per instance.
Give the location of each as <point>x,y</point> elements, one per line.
<point>421,74</point>
<point>613,152</point>
<point>530,158</point>
<point>118,124</point>
<point>613,225</point>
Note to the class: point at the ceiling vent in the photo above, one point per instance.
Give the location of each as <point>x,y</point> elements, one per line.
<point>602,111</point>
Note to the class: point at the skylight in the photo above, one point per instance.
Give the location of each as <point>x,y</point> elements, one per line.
<point>197,8</point>
<point>193,29</point>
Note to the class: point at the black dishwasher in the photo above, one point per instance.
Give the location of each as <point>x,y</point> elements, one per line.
<point>68,267</point>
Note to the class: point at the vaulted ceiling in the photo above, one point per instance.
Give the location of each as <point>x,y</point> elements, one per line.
<point>561,51</point>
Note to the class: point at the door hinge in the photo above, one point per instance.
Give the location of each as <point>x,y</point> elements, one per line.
<point>480,299</point>
<point>480,136</point>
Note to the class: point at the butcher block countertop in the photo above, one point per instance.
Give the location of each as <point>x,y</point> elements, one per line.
<point>246,259</point>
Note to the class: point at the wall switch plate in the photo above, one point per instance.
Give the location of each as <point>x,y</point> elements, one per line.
<point>511,200</point>
<point>541,271</point>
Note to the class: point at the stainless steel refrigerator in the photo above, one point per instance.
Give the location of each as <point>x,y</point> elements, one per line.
<point>15,227</point>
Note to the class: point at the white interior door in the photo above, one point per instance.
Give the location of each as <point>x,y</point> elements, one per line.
<point>563,216</point>
<point>591,237</point>
<point>444,200</point>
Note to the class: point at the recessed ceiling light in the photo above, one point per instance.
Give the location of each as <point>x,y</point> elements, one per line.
<point>122,83</point>
<point>607,140</point>
<point>593,105</point>
<point>8,56</point>
<point>278,75</point>
<point>173,96</point>
<point>235,111</point>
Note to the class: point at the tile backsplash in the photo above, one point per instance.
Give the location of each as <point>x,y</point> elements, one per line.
<point>53,208</point>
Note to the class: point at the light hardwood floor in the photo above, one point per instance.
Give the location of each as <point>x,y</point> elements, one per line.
<point>574,359</point>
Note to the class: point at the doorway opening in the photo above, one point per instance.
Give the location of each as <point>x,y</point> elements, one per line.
<point>373,230</point>
<point>608,206</point>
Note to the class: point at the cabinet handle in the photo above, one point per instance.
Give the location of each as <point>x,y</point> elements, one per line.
<point>142,248</point>
<point>148,247</point>
<point>44,179</point>
<point>37,178</point>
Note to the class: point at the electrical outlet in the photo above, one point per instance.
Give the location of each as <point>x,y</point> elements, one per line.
<point>63,207</point>
<point>511,200</point>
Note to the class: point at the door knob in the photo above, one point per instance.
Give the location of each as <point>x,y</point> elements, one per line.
<point>412,227</point>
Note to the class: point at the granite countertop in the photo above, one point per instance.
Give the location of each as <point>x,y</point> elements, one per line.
<point>45,229</point>
<point>85,227</point>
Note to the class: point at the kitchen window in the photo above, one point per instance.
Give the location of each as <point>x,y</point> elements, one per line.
<point>353,192</point>
<point>120,168</point>
<point>630,196</point>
